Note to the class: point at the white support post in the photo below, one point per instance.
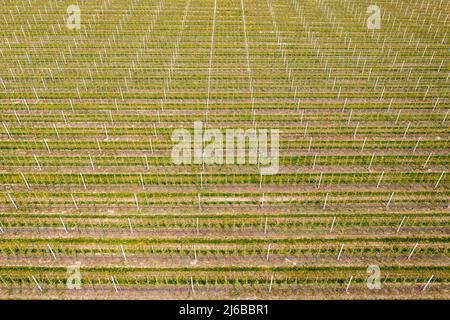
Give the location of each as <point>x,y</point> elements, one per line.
<point>445,117</point>
<point>265,225</point>
<point>37,283</point>
<point>82,181</point>
<point>428,283</point>
<point>348,284</point>
<point>74,201</point>
<point>435,104</point>
<point>12,201</point>
<point>371,161</point>
<point>106,131</point>
<point>51,251</point>
<point>412,251</point>
<point>92,162</point>
<point>262,200</point>
<point>268,251</point>
<point>428,159</point>
<point>192,285</point>
<point>130,225</point>
<point>151,145</point>
<point>146,162</point>
<point>137,202</point>
<point>314,161</point>
<point>98,145</point>
<point>142,181</point>
<point>63,224</point>
<point>439,180</point>
<point>364,144</point>
<point>123,253</point>
<point>271,283</point>
<point>401,224</point>
<point>398,116</point>
<point>64,117</point>
<point>195,255</point>
<point>379,180</point>
<point>325,201</point>
<point>17,117</point>
<point>390,199</point>
<point>340,252</point>
<point>56,130</point>
<point>356,130</point>
<point>320,180</point>
<point>7,131</point>
<point>25,180</point>
<point>417,144</point>
<point>407,128</point>
<point>46,145</point>
<point>332,224</point>
<point>37,162</point>
<point>114,284</point>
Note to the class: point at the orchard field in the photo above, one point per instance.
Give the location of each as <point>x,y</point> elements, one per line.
<point>359,208</point>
